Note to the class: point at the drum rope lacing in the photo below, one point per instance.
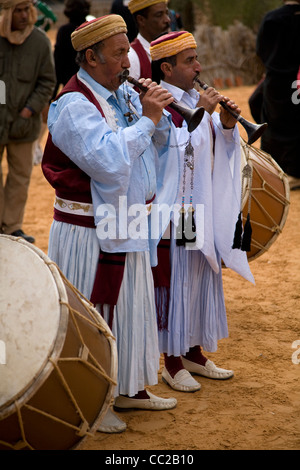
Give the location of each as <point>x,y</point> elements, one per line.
<point>80,296</point>
<point>276,195</point>
<point>73,312</point>
<point>269,190</point>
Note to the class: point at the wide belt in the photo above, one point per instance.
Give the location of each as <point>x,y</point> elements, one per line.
<point>73,207</point>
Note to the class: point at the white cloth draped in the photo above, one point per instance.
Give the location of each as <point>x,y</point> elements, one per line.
<point>197,314</point>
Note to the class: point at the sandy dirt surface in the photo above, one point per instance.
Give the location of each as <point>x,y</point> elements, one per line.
<point>260,407</point>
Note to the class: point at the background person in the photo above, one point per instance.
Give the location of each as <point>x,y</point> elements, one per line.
<point>64,58</point>
<point>45,20</point>
<point>152,19</point>
<point>28,73</point>
<point>120,7</point>
<point>64,54</point>
<point>278,47</point>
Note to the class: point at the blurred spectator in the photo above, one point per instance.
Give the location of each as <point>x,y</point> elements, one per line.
<point>46,16</point>
<point>278,47</point>
<point>120,7</point>
<point>64,54</point>
<point>27,69</point>
<point>152,19</point>
<point>176,22</point>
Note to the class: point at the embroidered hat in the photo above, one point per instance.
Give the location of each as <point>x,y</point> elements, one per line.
<point>96,30</point>
<point>137,5</point>
<point>171,44</point>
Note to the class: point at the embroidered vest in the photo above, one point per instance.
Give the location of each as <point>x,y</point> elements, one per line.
<point>68,180</point>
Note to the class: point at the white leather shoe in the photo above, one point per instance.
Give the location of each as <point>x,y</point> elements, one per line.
<point>210,370</point>
<point>182,381</point>
<point>111,423</point>
<point>152,403</point>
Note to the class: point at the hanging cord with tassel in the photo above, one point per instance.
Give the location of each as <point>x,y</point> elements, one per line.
<point>242,237</point>
<point>246,241</point>
<point>237,240</point>
<point>186,229</point>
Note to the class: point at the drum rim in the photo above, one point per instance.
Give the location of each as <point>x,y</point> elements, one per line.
<point>113,375</point>
<point>47,367</point>
<point>287,197</point>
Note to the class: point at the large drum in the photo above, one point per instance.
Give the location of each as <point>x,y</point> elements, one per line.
<point>269,202</point>
<point>58,360</point>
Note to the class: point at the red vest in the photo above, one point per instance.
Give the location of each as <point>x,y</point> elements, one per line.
<point>68,180</point>
<point>145,63</point>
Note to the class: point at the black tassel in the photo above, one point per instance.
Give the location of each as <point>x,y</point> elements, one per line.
<point>246,242</point>
<point>180,238</point>
<point>237,241</point>
<point>190,227</point>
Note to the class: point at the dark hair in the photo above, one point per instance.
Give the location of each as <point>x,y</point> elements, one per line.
<point>77,10</point>
<point>143,12</point>
<point>96,48</point>
<point>157,73</point>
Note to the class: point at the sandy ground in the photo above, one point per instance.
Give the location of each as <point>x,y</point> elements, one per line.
<point>260,407</point>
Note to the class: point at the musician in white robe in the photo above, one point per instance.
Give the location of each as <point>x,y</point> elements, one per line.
<point>100,156</point>
<point>190,305</point>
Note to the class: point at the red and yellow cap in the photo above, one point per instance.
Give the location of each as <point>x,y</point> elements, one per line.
<point>171,44</point>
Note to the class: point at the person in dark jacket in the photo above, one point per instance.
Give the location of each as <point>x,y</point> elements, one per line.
<point>27,71</point>
<point>64,55</point>
<point>278,47</point>
<point>120,7</point>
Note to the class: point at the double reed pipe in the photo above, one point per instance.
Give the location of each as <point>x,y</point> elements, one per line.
<point>254,131</point>
<point>193,117</point>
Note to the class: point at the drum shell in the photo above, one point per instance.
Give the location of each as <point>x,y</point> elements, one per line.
<point>67,400</point>
<point>269,204</point>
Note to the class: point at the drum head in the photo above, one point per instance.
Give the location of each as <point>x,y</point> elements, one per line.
<point>30,316</point>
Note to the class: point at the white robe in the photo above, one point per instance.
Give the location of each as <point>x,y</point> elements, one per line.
<point>197,314</point>
<point>114,154</point>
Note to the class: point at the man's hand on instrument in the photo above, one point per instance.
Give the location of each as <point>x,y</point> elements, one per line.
<point>226,118</point>
<point>154,100</point>
<point>209,99</point>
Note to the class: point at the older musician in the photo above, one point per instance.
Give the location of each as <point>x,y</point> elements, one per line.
<point>99,130</point>
<point>189,292</point>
